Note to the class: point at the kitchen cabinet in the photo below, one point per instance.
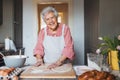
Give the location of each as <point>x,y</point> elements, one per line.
<point>18,23</point>
<point>1,12</point>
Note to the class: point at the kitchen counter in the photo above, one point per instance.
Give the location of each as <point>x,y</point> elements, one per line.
<point>29,74</point>
<point>95,61</point>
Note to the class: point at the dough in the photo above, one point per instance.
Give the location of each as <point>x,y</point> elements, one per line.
<point>40,69</point>
<point>63,68</point>
<point>43,69</point>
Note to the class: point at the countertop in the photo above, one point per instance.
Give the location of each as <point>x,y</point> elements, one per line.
<point>95,61</point>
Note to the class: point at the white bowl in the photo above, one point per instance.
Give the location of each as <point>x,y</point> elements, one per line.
<point>15,60</point>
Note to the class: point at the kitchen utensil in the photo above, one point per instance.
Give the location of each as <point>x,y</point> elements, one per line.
<point>14,60</point>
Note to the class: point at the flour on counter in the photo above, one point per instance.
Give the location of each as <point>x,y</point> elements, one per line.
<point>43,69</point>
<point>63,68</point>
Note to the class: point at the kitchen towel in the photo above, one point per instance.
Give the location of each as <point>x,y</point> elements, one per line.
<point>9,44</point>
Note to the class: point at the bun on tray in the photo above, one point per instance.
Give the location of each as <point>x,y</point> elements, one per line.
<point>96,75</point>
<point>4,72</point>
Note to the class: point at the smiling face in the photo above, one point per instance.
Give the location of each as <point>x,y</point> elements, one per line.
<point>51,21</point>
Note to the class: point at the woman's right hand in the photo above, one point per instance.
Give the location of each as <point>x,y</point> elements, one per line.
<point>39,62</point>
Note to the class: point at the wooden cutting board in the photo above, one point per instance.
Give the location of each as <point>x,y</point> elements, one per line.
<point>64,71</point>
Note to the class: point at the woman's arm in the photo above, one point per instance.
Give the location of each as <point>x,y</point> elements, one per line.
<point>38,51</point>
<point>68,50</point>
<point>39,45</point>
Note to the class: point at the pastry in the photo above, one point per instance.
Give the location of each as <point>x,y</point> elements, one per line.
<point>96,75</point>
<point>5,72</point>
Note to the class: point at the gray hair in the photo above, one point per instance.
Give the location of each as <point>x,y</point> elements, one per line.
<point>47,10</point>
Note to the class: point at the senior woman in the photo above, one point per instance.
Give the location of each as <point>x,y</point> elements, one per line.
<point>55,44</point>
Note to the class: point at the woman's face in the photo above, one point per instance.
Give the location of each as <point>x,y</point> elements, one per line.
<point>51,21</point>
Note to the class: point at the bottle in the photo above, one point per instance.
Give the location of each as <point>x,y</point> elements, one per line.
<point>7,43</point>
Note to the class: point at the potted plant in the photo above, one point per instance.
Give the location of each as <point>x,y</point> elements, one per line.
<point>111,47</point>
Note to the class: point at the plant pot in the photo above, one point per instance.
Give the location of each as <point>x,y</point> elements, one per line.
<point>113,60</point>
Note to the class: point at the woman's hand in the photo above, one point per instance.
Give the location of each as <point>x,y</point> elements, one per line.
<point>39,62</point>
<point>58,63</point>
<point>54,65</point>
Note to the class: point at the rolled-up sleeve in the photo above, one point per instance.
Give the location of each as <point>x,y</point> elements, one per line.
<point>68,50</point>
<point>39,45</point>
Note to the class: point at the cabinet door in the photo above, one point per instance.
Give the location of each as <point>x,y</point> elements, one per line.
<point>1,12</point>
<point>18,23</point>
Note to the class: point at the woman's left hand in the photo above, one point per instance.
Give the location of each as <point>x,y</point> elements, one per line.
<point>54,65</point>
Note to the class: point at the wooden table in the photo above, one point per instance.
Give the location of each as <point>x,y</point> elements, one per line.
<point>69,75</point>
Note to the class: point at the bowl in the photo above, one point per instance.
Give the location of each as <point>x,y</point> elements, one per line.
<point>15,60</point>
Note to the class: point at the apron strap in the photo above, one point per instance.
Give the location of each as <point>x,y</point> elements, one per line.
<point>63,29</point>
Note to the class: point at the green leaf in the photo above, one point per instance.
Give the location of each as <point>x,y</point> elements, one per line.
<point>109,42</point>
<point>105,51</point>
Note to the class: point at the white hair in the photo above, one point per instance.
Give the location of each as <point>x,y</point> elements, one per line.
<point>47,10</point>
